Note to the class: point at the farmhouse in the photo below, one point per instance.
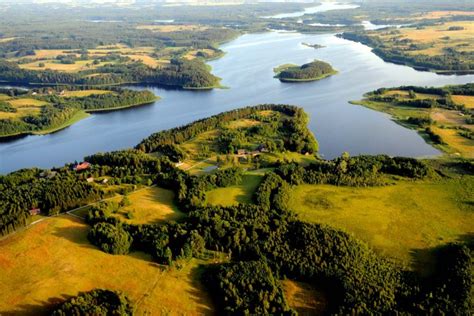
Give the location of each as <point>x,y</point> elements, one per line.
<point>35,211</point>
<point>81,166</point>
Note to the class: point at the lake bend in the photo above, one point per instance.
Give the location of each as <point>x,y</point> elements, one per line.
<point>247,71</point>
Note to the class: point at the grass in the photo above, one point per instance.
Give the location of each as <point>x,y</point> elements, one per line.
<point>55,65</point>
<point>457,144</point>
<point>84,93</point>
<point>243,123</point>
<point>396,220</point>
<point>26,102</point>
<point>290,156</point>
<point>166,28</point>
<point>53,260</point>
<point>149,205</point>
<point>235,194</point>
<point>304,298</point>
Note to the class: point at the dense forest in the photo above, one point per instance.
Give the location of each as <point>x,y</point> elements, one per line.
<point>58,110</point>
<point>308,72</point>
<point>192,74</point>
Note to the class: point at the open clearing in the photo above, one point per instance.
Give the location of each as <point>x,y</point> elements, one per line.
<point>83,93</point>
<point>166,28</point>
<point>396,220</point>
<point>456,142</point>
<point>304,298</point>
<point>149,205</point>
<point>53,260</point>
<point>235,194</point>
<point>466,100</point>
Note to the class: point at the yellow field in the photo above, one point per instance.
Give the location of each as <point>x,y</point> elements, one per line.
<point>26,102</point>
<point>193,53</point>
<point>49,53</point>
<point>147,60</point>
<point>304,298</point>
<point>6,39</point>
<point>54,65</point>
<point>243,123</point>
<point>53,260</point>
<point>21,112</point>
<point>458,144</point>
<point>149,205</point>
<point>173,27</point>
<point>83,93</point>
<point>466,100</point>
<point>396,220</point>
<point>24,106</point>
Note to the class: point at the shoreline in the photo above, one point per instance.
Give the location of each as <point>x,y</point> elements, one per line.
<point>79,116</point>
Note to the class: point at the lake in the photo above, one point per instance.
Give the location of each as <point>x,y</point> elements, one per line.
<point>247,71</point>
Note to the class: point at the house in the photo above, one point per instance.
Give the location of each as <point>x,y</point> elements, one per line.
<point>261,148</point>
<point>90,179</point>
<point>48,174</point>
<point>81,166</point>
<point>35,211</point>
<point>105,181</point>
<point>241,152</point>
<point>63,92</point>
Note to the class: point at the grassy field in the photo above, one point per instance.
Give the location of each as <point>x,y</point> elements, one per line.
<point>304,298</point>
<point>84,93</point>
<point>235,194</point>
<point>466,100</point>
<point>149,205</point>
<point>24,107</point>
<point>55,65</point>
<point>443,14</point>
<point>166,28</point>
<point>53,260</point>
<point>396,220</point>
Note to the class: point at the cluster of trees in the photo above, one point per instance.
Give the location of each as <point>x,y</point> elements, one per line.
<point>292,131</point>
<point>96,302</point>
<point>310,71</point>
<point>246,288</point>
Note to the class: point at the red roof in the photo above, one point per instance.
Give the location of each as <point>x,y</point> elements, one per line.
<point>82,166</point>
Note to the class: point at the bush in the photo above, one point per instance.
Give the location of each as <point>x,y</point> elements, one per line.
<point>96,302</point>
<point>110,238</point>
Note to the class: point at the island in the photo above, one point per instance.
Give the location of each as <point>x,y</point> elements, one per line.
<point>46,110</point>
<point>443,116</point>
<point>315,46</point>
<point>313,71</point>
